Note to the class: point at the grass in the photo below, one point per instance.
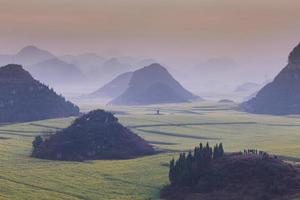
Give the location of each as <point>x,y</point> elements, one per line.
<point>179,128</point>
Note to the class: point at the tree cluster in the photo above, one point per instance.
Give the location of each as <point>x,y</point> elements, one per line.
<point>262,154</point>
<point>188,169</point>
<point>31,101</point>
<point>92,136</point>
<point>38,140</point>
<point>25,99</point>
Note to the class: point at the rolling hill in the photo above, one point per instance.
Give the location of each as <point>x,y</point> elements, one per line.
<point>114,88</point>
<point>30,55</point>
<point>282,95</point>
<point>56,72</point>
<point>248,87</point>
<point>153,85</point>
<point>26,99</point>
<point>93,136</point>
<point>209,174</point>
<point>27,56</point>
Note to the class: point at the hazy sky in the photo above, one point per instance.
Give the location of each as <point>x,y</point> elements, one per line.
<point>256,33</point>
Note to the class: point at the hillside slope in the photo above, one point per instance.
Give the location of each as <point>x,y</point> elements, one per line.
<point>114,88</point>
<point>282,96</point>
<point>93,136</point>
<point>56,72</point>
<point>25,99</point>
<point>153,85</point>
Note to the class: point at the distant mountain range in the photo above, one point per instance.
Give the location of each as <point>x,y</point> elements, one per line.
<point>31,55</point>
<point>44,66</point>
<point>282,95</point>
<point>56,72</point>
<point>248,87</point>
<point>114,88</point>
<point>70,70</point>
<point>25,99</point>
<point>88,63</point>
<point>99,69</point>
<point>153,85</point>
<point>113,67</point>
<point>28,55</point>
<point>213,75</point>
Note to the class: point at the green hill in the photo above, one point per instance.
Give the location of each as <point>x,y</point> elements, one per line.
<point>93,136</point>
<point>25,99</point>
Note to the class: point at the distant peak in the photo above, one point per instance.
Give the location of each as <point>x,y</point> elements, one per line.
<point>12,67</point>
<point>294,57</point>
<point>53,61</point>
<point>113,59</point>
<point>31,49</point>
<point>13,71</point>
<point>155,66</point>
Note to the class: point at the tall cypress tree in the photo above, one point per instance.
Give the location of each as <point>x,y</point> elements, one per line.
<point>216,151</point>
<point>221,150</point>
<point>172,172</point>
<point>188,169</point>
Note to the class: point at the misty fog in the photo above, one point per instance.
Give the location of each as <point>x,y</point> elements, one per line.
<point>211,47</point>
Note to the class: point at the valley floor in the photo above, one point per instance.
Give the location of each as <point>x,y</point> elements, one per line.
<point>178,128</point>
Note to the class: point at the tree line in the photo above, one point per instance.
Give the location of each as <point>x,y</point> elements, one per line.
<point>189,168</point>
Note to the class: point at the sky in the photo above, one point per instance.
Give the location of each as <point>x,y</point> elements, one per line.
<point>256,34</point>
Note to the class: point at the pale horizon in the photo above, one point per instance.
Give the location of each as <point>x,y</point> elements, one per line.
<point>257,35</point>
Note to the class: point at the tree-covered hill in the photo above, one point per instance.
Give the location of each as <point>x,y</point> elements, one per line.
<point>93,136</point>
<point>25,99</point>
<point>209,174</point>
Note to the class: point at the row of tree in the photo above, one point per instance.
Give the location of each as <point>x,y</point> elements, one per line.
<point>262,154</point>
<point>188,169</point>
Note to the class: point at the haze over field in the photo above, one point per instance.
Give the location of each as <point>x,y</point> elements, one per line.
<point>225,43</point>
<point>150,99</point>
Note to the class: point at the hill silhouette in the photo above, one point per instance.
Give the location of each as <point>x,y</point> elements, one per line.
<point>112,67</point>
<point>225,101</point>
<point>93,136</point>
<point>88,63</point>
<point>55,71</point>
<point>25,99</point>
<point>27,56</point>
<point>282,96</point>
<point>153,85</point>
<point>45,66</point>
<point>247,87</point>
<point>210,174</point>
<point>114,88</point>
<point>31,55</point>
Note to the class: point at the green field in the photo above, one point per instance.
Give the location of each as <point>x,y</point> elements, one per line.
<point>179,128</point>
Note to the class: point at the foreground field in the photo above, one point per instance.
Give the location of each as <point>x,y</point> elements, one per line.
<point>178,128</point>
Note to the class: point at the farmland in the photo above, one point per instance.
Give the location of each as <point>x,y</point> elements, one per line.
<point>178,128</point>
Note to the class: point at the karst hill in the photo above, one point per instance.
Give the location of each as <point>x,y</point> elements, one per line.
<point>25,99</point>
<point>94,136</point>
<point>282,96</point>
<point>153,85</point>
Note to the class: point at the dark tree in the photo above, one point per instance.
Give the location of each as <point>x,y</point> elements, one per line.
<point>38,140</point>
<point>188,170</point>
<point>216,151</point>
<point>221,150</point>
<point>172,171</point>
<point>93,136</point>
